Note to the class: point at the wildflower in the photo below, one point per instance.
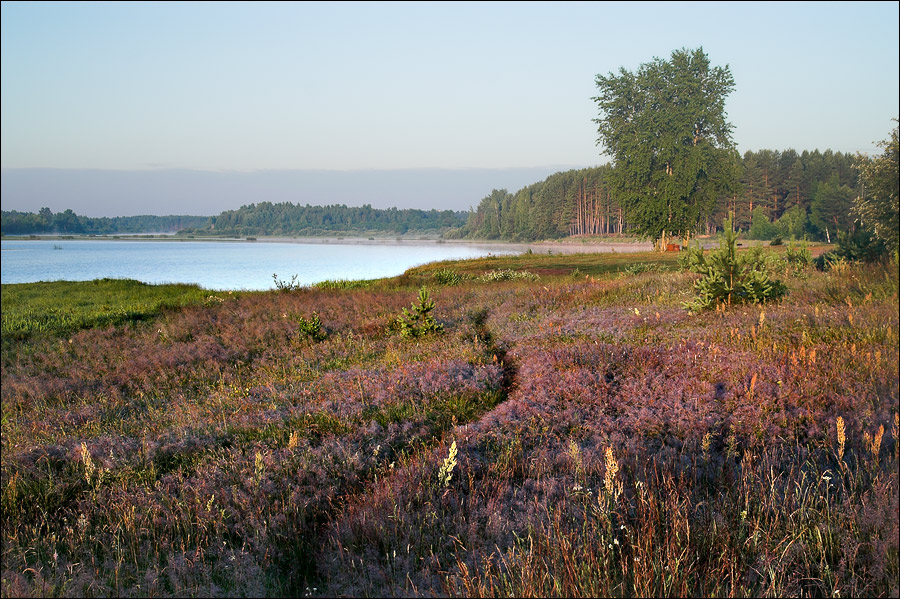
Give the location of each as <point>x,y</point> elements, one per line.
<point>446,471</point>
<point>613,487</point>
<point>874,443</point>
<point>841,437</point>
<point>258,469</point>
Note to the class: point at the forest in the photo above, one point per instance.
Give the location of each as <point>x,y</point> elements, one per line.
<point>13,222</point>
<point>780,194</point>
<point>266,218</point>
<point>786,194</point>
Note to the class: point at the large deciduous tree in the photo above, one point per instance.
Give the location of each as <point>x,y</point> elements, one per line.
<point>666,130</point>
<point>879,207</point>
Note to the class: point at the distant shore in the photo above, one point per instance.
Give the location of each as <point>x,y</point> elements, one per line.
<point>561,246</point>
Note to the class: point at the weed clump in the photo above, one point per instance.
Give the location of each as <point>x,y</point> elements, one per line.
<point>284,285</point>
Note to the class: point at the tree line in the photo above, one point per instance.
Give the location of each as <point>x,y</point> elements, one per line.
<point>785,194</point>
<point>675,173</point>
<point>266,218</point>
<point>575,202</point>
<point>46,222</point>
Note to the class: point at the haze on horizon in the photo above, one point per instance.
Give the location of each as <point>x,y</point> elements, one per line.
<point>117,109</point>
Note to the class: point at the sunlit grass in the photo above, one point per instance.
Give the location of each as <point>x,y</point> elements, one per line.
<point>570,432</point>
<point>62,307</point>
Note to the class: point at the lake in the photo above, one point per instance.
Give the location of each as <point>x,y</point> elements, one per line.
<point>221,265</point>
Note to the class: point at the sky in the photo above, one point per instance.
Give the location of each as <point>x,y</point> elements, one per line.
<point>394,104</point>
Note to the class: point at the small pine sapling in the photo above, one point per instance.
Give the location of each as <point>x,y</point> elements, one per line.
<point>418,321</point>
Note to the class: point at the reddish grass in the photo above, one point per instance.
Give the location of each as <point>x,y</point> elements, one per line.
<point>610,443</point>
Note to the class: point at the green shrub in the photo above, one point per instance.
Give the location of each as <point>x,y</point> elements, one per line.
<point>342,284</point>
<point>860,246</point>
<point>446,276</point>
<point>418,321</point>
<point>310,328</point>
<point>798,256</point>
<point>730,278</point>
<point>507,274</point>
<point>286,286</point>
<point>761,227</point>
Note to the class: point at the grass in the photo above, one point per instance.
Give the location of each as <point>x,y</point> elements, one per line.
<point>569,432</point>
<point>62,307</point>
<point>547,264</point>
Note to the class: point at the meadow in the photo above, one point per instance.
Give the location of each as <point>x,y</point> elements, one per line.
<point>567,429</point>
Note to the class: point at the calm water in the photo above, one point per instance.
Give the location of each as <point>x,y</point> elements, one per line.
<point>219,265</point>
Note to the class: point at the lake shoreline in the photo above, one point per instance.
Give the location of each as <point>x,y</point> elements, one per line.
<point>562,246</point>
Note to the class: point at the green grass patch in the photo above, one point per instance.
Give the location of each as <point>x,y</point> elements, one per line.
<point>546,265</point>
<point>63,307</point>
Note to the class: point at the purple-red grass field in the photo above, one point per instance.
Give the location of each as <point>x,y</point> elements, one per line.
<point>572,431</point>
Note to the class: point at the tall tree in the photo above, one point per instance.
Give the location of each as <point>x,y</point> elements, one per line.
<point>831,206</point>
<point>666,130</point>
<point>879,207</point>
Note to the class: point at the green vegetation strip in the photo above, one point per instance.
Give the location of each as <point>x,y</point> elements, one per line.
<point>64,307</point>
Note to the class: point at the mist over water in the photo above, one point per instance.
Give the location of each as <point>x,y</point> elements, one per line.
<point>220,265</point>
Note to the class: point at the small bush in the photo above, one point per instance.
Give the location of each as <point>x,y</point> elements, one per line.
<point>639,267</point>
<point>730,278</point>
<point>798,257</point>
<point>418,321</point>
<point>286,286</point>
<point>859,246</point>
<point>507,274</point>
<point>446,276</point>
<point>310,328</point>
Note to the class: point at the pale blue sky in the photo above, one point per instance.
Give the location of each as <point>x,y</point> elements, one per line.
<point>261,86</point>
